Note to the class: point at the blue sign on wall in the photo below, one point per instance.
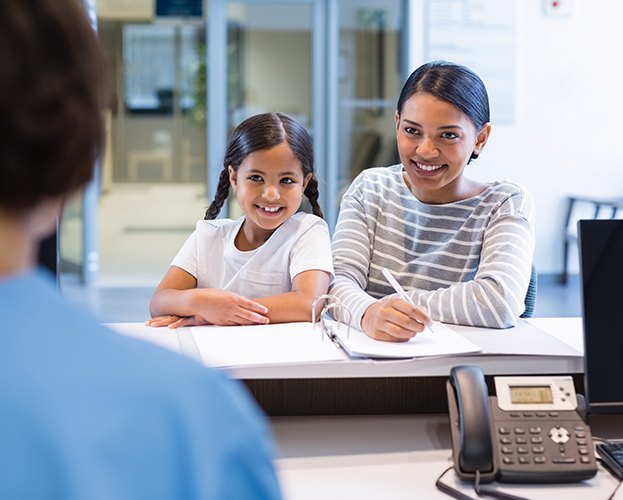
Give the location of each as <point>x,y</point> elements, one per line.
<point>179,8</point>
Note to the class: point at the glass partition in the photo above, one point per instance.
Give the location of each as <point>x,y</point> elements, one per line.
<point>370,73</point>
<point>335,66</point>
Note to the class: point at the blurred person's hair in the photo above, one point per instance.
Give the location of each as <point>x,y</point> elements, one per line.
<point>52,91</point>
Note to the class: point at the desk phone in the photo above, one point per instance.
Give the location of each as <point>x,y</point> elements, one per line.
<point>529,432</point>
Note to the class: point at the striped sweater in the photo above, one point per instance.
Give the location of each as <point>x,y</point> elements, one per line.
<point>467,262</point>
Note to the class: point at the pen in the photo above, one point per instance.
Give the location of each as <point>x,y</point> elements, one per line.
<point>399,290</point>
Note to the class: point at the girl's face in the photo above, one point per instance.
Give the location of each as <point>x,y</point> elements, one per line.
<point>435,141</point>
<point>269,187</point>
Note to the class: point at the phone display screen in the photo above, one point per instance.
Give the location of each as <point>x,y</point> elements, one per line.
<point>531,394</point>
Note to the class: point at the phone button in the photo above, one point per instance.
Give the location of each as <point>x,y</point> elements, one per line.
<point>536,439</point>
<point>521,440</point>
<point>504,430</point>
<point>538,449</point>
<point>507,450</point>
<point>559,434</point>
<point>585,460</point>
<point>568,460</point>
<point>508,460</point>
<point>505,440</point>
<point>539,460</point>
<point>524,460</point>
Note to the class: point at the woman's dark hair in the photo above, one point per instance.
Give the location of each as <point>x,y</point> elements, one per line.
<point>452,83</point>
<point>52,81</point>
<point>265,131</point>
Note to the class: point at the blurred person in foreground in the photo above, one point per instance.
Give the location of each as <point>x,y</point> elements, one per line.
<point>87,413</point>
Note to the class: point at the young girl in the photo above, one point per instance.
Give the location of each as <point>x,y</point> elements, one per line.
<point>461,248</point>
<point>267,266</point>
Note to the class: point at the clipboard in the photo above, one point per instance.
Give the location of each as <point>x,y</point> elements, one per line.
<point>443,341</point>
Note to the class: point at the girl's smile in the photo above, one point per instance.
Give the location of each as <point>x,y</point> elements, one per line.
<point>269,211</point>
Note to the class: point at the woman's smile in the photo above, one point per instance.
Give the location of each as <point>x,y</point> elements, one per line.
<point>428,170</point>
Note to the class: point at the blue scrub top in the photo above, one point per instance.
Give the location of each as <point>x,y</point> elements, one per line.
<point>86,413</point>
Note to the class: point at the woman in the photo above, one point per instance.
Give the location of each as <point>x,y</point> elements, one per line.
<point>461,248</point>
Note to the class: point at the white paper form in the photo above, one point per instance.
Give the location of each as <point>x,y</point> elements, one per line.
<point>164,337</point>
<point>443,342</point>
<point>523,339</point>
<point>286,343</point>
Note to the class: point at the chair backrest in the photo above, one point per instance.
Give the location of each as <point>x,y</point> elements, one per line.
<point>366,149</point>
<point>530,300</point>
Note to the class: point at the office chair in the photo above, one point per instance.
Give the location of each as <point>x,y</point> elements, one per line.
<point>613,205</point>
<point>530,300</point>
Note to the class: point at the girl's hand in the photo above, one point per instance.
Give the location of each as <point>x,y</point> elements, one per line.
<point>187,321</point>
<point>173,321</point>
<point>219,307</point>
<point>159,321</point>
<point>394,320</point>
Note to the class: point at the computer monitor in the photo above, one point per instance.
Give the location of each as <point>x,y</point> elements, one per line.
<point>601,273</point>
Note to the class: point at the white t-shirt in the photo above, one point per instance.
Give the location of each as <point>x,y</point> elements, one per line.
<point>301,243</point>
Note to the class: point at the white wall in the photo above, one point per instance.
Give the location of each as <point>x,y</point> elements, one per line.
<point>565,139</point>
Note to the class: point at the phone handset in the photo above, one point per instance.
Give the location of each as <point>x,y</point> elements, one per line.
<point>470,420</point>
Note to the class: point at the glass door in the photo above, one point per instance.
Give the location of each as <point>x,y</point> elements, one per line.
<point>181,85</point>
<point>371,70</point>
<point>151,186</point>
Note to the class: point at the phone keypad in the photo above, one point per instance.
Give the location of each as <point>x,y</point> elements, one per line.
<point>535,440</point>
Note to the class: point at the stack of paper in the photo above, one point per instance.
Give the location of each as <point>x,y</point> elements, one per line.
<point>263,344</point>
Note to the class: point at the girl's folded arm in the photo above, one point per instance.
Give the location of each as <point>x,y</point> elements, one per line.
<point>174,295</point>
<point>297,305</point>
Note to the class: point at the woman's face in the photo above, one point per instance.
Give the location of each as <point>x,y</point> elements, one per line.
<point>435,141</point>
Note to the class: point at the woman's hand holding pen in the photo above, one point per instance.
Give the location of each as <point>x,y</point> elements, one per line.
<point>394,319</point>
